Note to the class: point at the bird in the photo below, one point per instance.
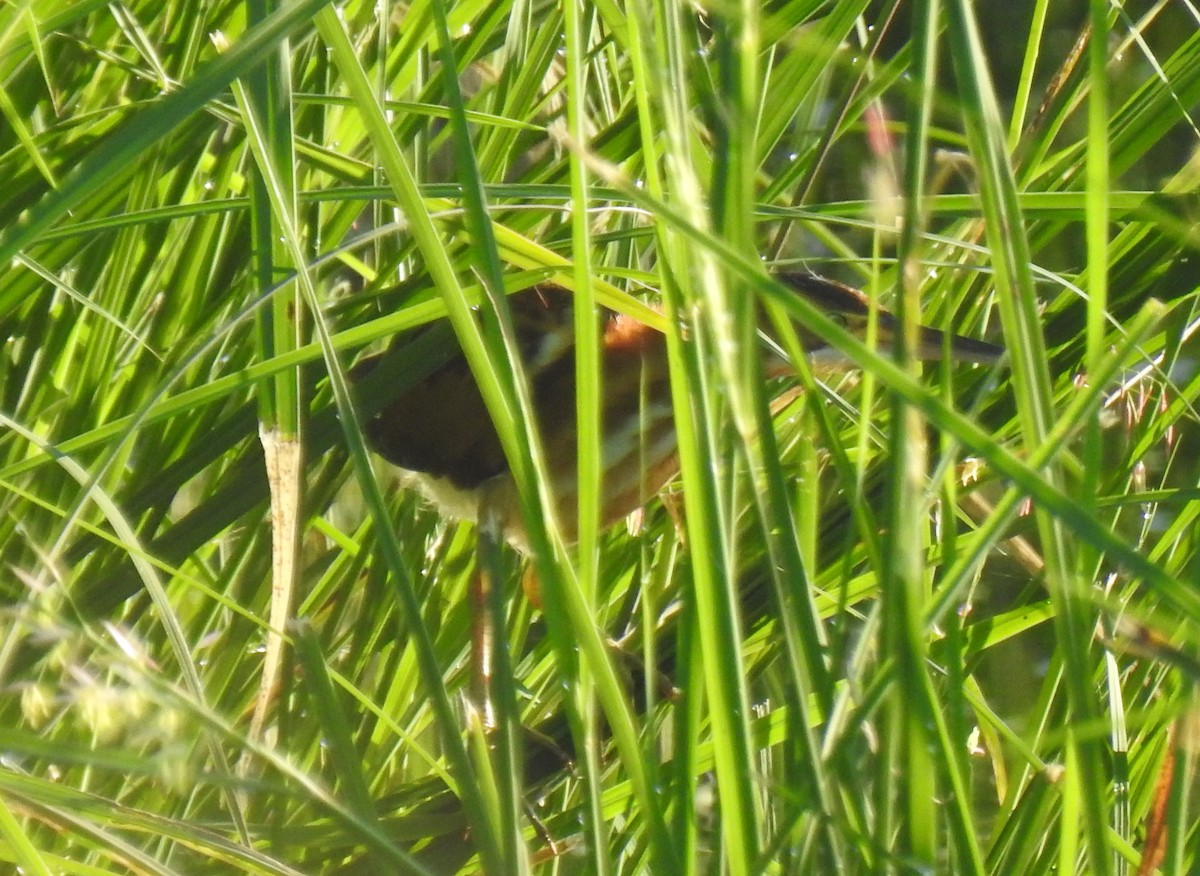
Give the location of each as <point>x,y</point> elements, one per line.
<point>439,432</point>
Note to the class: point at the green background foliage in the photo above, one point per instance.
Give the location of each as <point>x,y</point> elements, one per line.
<point>900,621</point>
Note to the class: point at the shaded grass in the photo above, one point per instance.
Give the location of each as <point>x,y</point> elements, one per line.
<point>837,605</point>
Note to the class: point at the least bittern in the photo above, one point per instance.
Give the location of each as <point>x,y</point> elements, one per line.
<point>439,429</point>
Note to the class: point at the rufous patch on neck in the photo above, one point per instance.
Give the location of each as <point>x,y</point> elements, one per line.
<point>624,334</point>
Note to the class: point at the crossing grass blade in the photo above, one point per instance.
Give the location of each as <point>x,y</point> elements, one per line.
<point>942,620</point>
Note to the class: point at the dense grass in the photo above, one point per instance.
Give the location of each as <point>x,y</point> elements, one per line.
<point>936,621</point>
